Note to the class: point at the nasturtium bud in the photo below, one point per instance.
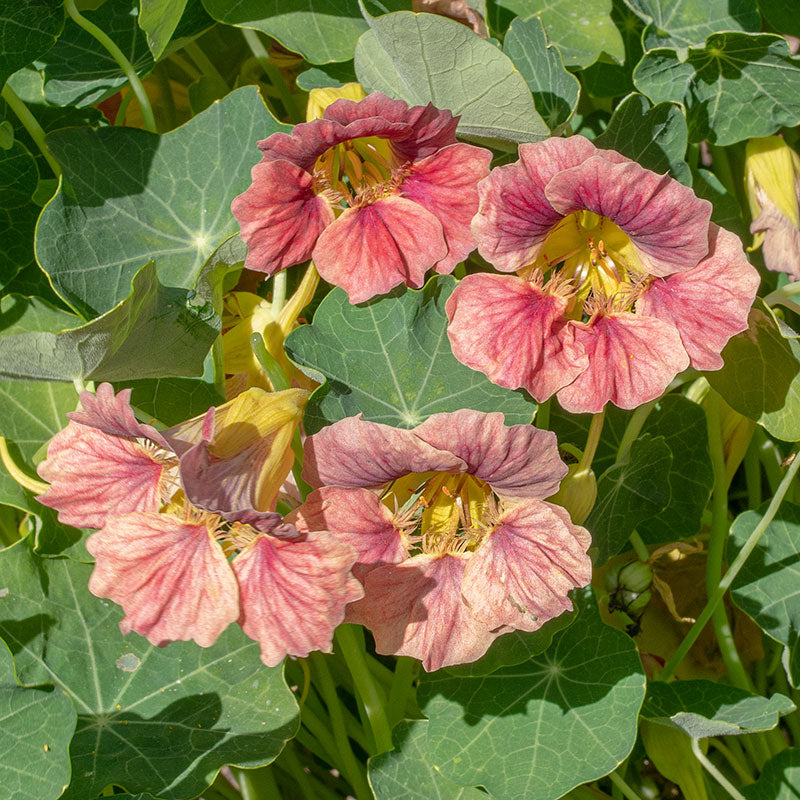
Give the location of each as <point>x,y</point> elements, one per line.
<point>636,576</point>
<point>577,493</point>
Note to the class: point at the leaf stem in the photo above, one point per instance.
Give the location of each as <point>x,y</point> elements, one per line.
<point>402,684</point>
<point>542,418</point>
<point>737,766</point>
<point>273,73</point>
<point>205,64</point>
<point>715,773</point>
<point>31,125</point>
<point>733,571</point>
<point>119,119</point>
<point>592,440</point>
<point>124,64</point>
<point>752,474</point>
<point>269,363</point>
<point>278,292</point>
<point>257,784</point>
<point>24,480</point>
<point>633,429</point>
<point>626,790</point>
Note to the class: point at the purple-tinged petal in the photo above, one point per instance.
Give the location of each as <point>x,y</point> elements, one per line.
<point>358,518</point>
<point>371,249</point>
<point>709,303</point>
<point>510,329</point>
<point>446,184</point>
<point>781,241</point>
<point>515,217</point>
<point>280,216</point>
<point>521,574</point>
<point>415,609</point>
<point>666,222</point>
<point>355,453</point>
<point>632,359</point>
<point>170,577</point>
<point>93,474</point>
<point>293,593</point>
<point>519,461</point>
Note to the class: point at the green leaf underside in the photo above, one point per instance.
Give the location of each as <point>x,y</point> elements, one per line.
<point>27,31</point>
<point>761,376</point>
<point>766,587</point>
<point>404,774</point>
<point>654,137</point>
<point>778,780</point>
<point>168,200</point>
<point>739,86</point>
<point>583,31</point>
<point>703,708</point>
<point>79,71</point>
<point>158,19</point>
<point>425,58</point>
<point>155,332</point>
<point>161,720</point>
<point>540,728</point>
<point>555,91</point>
<point>37,726</point>
<point>628,494</point>
<point>682,23</point>
<point>390,360</point>
<point>324,77</point>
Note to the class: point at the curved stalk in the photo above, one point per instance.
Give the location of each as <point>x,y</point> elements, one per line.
<point>31,125</point>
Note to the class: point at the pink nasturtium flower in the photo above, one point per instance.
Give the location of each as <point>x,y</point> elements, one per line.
<point>623,280</point>
<point>174,506</point>
<point>376,192</point>
<point>455,542</point>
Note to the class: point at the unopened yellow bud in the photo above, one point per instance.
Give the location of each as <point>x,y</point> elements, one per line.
<point>577,493</point>
<point>320,99</point>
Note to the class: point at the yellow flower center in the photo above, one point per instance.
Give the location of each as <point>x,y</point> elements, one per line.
<point>443,512</point>
<point>592,260</point>
<point>358,172</point>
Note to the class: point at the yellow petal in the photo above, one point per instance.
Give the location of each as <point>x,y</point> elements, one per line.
<point>771,166</point>
<point>320,99</point>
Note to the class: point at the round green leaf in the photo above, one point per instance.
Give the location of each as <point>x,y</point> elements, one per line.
<point>538,729</point>
<point>160,720</point>
<point>425,58</point>
<point>390,360</point>
<point>27,31</point>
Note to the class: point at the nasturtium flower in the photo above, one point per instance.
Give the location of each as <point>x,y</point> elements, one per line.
<point>772,176</point>
<point>376,192</point>
<point>623,280</point>
<point>456,544</point>
<point>189,541</point>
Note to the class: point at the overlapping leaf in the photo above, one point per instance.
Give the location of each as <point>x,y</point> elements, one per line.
<point>779,778</point>
<point>149,719</point>
<point>390,360</point>
<point>27,31</point>
<point>169,200</point>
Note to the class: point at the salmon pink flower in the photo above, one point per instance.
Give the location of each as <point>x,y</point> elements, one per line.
<point>455,542</point>
<point>376,192</point>
<point>189,542</point>
<point>623,281</point>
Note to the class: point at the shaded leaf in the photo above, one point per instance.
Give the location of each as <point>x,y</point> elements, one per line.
<point>170,203</point>
<point>654,137</point>
<point>161,720</point>
<point>422,58</point>
<point>324,77</point>
<point>782,15</point>
<point>172,400</point>
<point>27,31</point>
<point>726,210</point>
<point>19,178</point>
<point>739,86</point>
<point>779,778</point>
<point>390,359</point>
<point>38,723</point>
<point>704,708</point>
<point>555,91</point>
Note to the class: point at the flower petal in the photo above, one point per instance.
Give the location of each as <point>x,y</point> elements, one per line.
<point>521,574</point>
<point>781,241</point>
<point>632,359</point>
<point>666,222</point>
<point>371,249</point>
<point>515,216</point>
<point>293,593</point>
<point>280,216</point>
<point>510,330</point>
<point>170,577</point>
<point>709,303</point>
<point>93,474</point>
<point>415,609</point>
<point>519,461</point>
<point>358,518</point>
<point>355,453</point>
<point>446,184</point>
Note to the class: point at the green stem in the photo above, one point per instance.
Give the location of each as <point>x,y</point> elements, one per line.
<point>273,73</point>
<point>633,429</point>
<point>770,458</point>
<point>268,363</point>
<point>204,62</point>
<point>733,571</point>
<point>278,292</point>
<point>792,720</point>
<point>365,686</point>
<point>402,684</point>
<point>191,71</point>
<point>167,99</point>
<point>622,786</point>
<point>257,784</point>
<point>592,440</point>
<point>716,546</point>
<point>113,50</point>
<point>642,553</point>
<point>737,766</point>
<point>222,786</point>
<point>119,120</point>
<point>735,746</point>
<point>715,773</point>
<point>752,474</point>
<point>31,125</point>
<point>542,417</point>
<point>295,769</point>
<point>350,766</point>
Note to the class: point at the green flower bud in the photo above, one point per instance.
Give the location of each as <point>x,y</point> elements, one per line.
<point>636,576</point>
<point>639,603</point>
<point>577,493</point>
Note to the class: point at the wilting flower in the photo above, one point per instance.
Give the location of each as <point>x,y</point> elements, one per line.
<point>455,542</point>
<point>623,280</point>
<point>772,174</point>
<point>180,503</point>
<point>376,192</point>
